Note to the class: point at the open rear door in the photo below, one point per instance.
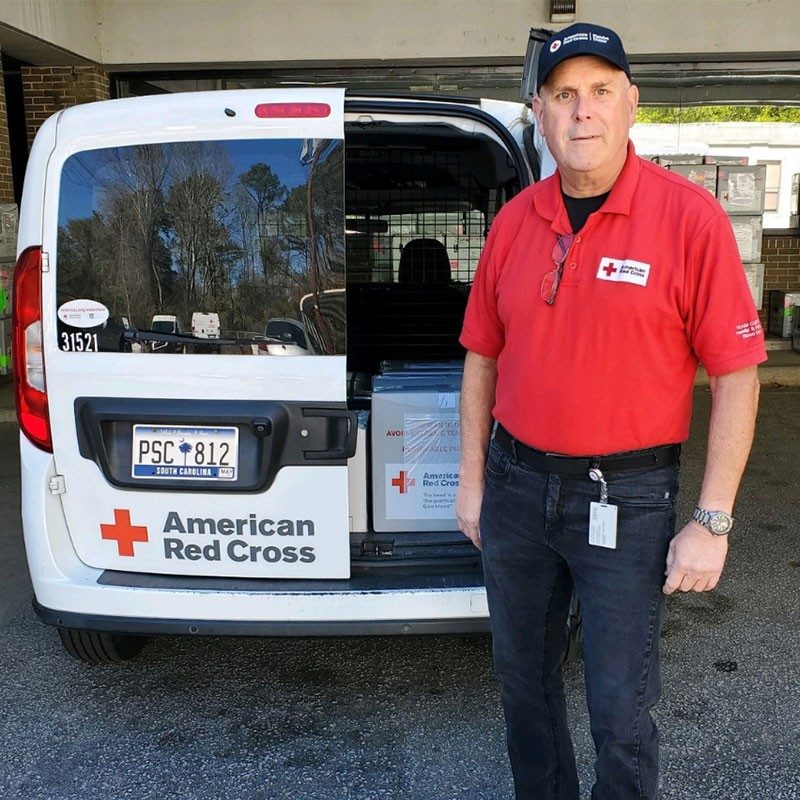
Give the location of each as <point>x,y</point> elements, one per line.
<point>217,449</point>
<point>539,159</point>
<point>536,39</point>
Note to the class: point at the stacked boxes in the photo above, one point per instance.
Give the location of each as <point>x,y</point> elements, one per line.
<point>678,158</point>
<point>740,191</point>
<point>739,188</point>
<point>704,175</point>
<point>782,312</point>
<point>726,160</point>
<point>415,447</point>
<point>755,280</point>
<point>796,331</point>
<point>747,231</point>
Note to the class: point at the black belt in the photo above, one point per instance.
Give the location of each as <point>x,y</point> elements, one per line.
<point>664,456</point>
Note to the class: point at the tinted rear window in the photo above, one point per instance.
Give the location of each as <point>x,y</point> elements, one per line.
<point>250,230</point>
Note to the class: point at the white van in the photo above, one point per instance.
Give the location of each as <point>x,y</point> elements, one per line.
<point>166,324</point>
<point>205,325</point>
<point>196,492</point>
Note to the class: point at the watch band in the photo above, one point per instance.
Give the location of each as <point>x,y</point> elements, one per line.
<point>718,523</point>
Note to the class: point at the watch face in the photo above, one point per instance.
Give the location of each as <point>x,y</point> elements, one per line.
<point>720,523</point>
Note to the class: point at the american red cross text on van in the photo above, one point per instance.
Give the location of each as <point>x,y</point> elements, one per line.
<point>244,526</point>
<point>237,551</point>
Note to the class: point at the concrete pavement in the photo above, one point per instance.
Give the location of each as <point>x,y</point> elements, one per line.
<point>408,718</point>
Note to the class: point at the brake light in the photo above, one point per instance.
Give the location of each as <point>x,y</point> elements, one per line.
<point>27,349</point>
<point>286,110</point>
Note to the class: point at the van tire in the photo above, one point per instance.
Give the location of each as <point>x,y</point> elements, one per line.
<point>101,647</point>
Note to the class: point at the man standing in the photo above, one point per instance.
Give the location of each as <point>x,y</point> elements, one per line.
<point>599,290</point>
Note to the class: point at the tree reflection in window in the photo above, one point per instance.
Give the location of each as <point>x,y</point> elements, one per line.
<point>249,230</point>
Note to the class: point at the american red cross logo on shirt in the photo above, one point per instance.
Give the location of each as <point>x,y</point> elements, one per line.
<point>123,533</point>
<point>403,482</point>
<point>610,269</point>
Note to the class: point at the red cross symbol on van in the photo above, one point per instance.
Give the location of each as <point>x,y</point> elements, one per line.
<point>403,482</point>
<point>123,533</point>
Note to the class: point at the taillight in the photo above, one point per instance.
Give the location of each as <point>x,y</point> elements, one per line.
<point>27,349</point>
<point>286,110</point>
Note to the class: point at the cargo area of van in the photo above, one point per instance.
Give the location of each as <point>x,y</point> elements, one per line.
<point>419,201</point>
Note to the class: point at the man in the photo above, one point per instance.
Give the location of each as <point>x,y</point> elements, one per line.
<point>599,290</point>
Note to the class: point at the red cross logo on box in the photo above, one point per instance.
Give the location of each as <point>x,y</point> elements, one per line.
<point>123,533</point>
<point>403,482</point>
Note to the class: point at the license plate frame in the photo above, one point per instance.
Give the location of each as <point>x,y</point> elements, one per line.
<point>220,448</point>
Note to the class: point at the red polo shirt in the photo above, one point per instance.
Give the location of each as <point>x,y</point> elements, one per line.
<point>652,285</point>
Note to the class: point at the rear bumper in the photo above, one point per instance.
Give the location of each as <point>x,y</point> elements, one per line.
<point>242,611</point>
<point>202,627</point>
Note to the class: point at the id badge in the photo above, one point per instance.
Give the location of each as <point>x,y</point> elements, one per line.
<point>603,525</point>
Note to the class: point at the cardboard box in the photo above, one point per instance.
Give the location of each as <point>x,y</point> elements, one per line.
<point>677,158</point>
<point>448,366</point>
<point>415,434</point>
<point>740,190</point>
<point>782,312</point>
<point>465,252</point>
<point>729,161</point>
<point>755,280</point>
<point>357,478</point>
<point>748,232</point>
<point>703,175</point>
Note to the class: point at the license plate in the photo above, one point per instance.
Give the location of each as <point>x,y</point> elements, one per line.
<point>171,452</point>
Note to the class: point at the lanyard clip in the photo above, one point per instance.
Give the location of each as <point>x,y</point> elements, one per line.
<point>596,474</point>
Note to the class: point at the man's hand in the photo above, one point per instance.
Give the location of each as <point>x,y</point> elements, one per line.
<point>468,511</point>
<point>695,560</point>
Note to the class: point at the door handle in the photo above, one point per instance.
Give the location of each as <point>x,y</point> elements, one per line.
<point>346,448</point>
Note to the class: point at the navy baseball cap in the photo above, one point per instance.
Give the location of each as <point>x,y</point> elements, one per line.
<point>581,39</point>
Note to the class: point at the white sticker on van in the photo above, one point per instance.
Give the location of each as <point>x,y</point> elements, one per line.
<point>83,313</point>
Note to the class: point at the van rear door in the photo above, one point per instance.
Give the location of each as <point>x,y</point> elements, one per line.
<point>201,457</point>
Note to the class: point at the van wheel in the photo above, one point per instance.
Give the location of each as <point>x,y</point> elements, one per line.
<point>100,647</point>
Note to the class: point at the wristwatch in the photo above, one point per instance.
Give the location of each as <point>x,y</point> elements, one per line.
<point>717,522</point>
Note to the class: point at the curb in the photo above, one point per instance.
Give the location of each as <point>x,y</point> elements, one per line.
<point>767,376</point>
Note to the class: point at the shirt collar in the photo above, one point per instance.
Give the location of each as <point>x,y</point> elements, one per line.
<point>550,204</point>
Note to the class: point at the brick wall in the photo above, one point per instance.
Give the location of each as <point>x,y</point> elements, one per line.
<point>51,89</point>
<point>781,257</point>
<point>6,177</point>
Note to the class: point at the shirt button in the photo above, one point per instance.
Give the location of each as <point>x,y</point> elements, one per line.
<point>578,239</point>
<point>573,265</point>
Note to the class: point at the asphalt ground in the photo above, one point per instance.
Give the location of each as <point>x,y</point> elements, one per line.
<point>417,718</point>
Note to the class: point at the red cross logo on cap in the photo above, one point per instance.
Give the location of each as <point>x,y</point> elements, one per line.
<point>403,482</point>
<point>555,45</point>
<point>123,533</point>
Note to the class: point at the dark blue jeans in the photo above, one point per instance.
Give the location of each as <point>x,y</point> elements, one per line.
<point>534,531</point>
